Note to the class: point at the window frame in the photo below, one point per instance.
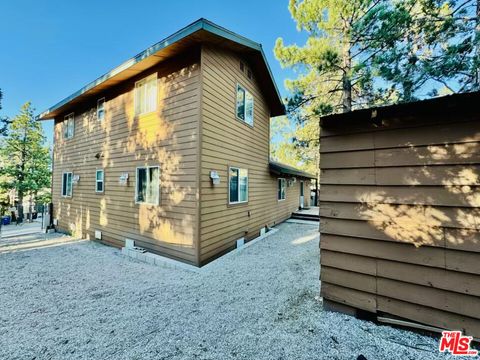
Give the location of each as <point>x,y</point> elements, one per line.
<point>145,81</point>
<point>238,189</point>
<point>136,185</point>
<point>98,181</point>
<point>104,112</point>
<point>279,180</point>
<point>66,120</point>
<point>240,86</point>
<point>66,195</point>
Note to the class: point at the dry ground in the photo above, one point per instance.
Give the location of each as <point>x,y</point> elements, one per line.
<point>87,301</point>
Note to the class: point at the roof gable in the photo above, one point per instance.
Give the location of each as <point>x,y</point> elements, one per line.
<point>201,31</point>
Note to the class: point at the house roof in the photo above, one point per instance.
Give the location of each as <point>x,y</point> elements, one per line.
<point>200,31</point>
<point>282,169</point>
<point>373,116</point>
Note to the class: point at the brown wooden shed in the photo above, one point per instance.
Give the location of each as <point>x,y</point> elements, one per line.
<point>400,212</point>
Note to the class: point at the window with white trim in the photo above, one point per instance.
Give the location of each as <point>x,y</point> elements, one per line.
<point>69,126</point>
<point>99,181</point>
<point>237,185</point>
<point>282,194</point>
<point>67,180</point>
<point>146,95</point>
<point>244,109</point>
<point>101,109</point>
<point>148,185</point>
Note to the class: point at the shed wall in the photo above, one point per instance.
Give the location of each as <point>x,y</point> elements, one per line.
<point>400,218</point>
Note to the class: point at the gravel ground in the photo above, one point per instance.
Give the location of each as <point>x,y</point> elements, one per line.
<point>87,301</point>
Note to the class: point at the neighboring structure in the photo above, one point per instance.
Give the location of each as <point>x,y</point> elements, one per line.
<point>400,212</point>
<point>171,149</point>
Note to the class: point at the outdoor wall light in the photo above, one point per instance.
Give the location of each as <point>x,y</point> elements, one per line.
<point>123,179</point>
<point>215,178</point>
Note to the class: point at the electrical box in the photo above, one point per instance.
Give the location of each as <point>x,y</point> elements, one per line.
<point>98,235</point>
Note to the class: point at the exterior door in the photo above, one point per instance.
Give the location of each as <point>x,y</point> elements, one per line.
<point>301,195</point>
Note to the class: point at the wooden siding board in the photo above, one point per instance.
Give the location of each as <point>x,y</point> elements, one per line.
<point>226,141</point>
<point>400,209</point>
<point>168,138</point>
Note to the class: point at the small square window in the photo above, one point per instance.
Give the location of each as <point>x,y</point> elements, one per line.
<point>99,181</point>
<point>101,109</point>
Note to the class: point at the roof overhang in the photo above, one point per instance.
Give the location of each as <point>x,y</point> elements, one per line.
<point>282,169</point>
<point>201,31</point>
<point>408,111</point>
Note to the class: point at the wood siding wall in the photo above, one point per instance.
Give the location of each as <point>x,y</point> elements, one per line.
<point>168,138</point>
<point>400,219</point>
<point>226,142</point>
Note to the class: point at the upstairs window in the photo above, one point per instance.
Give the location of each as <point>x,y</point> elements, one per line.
<point>99,181</point>
<point>238,185</point>
<point>67,184</point>
<point>146,95</point>
<point>148,185</point>
<point>69,126</point>
<point>281,189</point>
<point>244,105</point>
<point>101,109</point>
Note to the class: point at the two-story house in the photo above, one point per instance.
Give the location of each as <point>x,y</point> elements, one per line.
<point>171,149</point>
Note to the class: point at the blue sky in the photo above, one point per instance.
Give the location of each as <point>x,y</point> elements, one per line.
<point>52,48</point>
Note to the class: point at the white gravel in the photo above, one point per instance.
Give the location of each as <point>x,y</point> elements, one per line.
<point>87,301</point>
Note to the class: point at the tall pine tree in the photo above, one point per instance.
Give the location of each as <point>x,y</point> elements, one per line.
<point>26,161</point>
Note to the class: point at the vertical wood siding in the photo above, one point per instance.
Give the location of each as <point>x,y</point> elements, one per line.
<point>226,142</point>
<point>167,137</point>
<point>400,219</point>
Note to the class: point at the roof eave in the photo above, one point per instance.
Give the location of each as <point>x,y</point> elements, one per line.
<point>177,36</point>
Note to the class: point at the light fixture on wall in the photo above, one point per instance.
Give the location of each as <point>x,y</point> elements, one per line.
<point>215,177</point>
<point>123,179</point>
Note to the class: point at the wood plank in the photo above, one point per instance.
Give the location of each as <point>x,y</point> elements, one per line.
<point>462,196</point>
<point>408,253</point>
<point>461,304</point>
<point>350,297</point>
<point>389,228</point>
<point>428,315</point>
<point>450,217</point>
<point>348,279</point>
<point>359,264</point>
<point>468,284</point>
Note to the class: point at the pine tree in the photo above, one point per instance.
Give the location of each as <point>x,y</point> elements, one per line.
<point>436,52</point>
<point>25,158</point>
<point>3,120</point>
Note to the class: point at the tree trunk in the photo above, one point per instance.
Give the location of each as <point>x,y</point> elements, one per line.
<point>346,81</point>
<point>20,207</point>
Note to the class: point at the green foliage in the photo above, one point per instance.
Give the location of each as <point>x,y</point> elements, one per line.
<point>362,53</point>
<point>25,159</point>
<point>435,51</point>
<point>3,120</point>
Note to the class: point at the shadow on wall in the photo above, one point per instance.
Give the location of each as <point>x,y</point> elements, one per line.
<point>150,139</point>
<point>423,214</point>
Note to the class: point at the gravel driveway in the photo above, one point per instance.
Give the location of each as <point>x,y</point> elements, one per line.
<point>87,301</point>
